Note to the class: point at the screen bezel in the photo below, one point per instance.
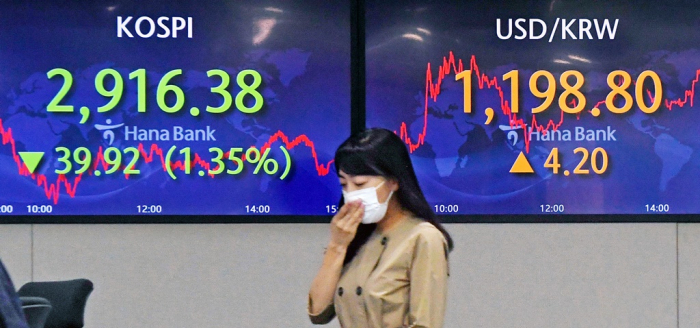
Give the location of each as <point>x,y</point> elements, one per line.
<point>357,123</point>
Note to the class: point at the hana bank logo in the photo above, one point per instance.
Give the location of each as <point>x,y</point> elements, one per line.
<point>512,133</point>
<point>107,133</point>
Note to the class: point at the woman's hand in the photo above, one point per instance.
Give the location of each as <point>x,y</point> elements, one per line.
<point>344,224</point>
<point>343,230</point>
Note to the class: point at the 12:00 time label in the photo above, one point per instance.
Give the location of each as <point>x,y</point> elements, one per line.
<point>150,209</point>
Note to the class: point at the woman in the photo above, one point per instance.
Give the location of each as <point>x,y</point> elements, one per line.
<point>386,261</point>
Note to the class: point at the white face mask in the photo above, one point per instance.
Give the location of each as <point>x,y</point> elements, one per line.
<point>374,211</point>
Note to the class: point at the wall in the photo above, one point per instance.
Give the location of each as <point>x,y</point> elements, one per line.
<point>238,275</point>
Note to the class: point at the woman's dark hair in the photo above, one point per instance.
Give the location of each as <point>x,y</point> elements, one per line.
<point>381,152</point>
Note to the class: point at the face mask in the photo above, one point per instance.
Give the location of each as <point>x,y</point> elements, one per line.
<point>374,211</point>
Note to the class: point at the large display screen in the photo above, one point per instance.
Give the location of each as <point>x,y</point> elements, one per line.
<point>177,108</point>
<point>541,107</point>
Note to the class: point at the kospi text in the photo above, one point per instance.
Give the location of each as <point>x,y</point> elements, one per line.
<point>145,27</point>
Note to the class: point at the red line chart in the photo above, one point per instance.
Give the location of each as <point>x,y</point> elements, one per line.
<point>451,66</point>
<point>53,190</point>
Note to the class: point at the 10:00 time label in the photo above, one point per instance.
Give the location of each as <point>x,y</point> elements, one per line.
<point>446,208</point>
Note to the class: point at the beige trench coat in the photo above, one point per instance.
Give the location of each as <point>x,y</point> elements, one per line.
<point>397,279</point>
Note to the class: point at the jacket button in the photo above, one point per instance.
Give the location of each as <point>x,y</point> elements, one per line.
<point>384,240</point>
<point>359,291</point>
<point>340,291</point>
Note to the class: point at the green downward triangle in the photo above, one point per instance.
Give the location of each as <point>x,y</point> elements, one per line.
<point>31,159</point>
